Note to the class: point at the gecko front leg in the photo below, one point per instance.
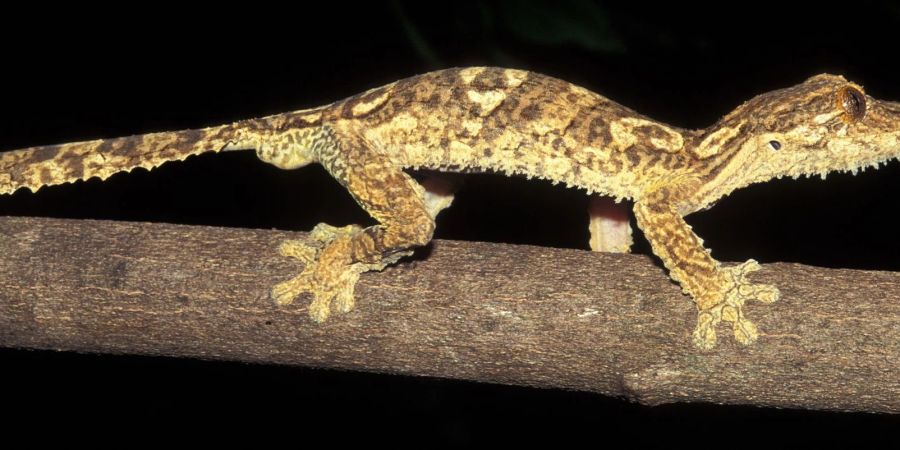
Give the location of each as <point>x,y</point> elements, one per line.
<point>719,292</point>
<point>335,257</point>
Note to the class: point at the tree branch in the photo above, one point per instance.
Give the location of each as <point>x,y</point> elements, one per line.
<point>608,323</point>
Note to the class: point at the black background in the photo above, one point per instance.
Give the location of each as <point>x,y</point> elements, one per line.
<point>76,74</point>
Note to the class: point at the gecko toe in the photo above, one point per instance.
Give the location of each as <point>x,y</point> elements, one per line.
<point>298,249</point>
<point>745,331</point>
<point>320,309</point>
<point>343,301</point>
<point>704,335</point>
<point>284,293</point>
<point>767,293</point>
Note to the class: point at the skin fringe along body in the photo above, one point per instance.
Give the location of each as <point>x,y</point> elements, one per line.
<point>517,123</point>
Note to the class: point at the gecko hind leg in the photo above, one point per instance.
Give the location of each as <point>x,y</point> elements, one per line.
<point>334,257</point>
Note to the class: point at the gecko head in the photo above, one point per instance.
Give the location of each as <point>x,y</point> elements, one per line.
<point>822,125</point>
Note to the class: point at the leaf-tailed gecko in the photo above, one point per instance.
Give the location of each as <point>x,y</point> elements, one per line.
<point>517,123</point>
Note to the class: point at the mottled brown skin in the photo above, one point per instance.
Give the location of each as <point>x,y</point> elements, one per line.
<point>517,123</point>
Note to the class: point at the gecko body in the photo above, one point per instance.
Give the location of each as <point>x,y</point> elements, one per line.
<point>517,123</point>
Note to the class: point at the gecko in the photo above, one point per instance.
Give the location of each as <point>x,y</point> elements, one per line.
<point>516,122</point>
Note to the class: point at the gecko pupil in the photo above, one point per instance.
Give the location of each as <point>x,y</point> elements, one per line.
<point>775,145</point>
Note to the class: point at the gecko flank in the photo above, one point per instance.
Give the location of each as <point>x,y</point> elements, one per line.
<point>517,123</point>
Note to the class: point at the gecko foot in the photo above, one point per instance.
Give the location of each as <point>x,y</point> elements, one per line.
<point>329,275</point>
<point>729,307</point>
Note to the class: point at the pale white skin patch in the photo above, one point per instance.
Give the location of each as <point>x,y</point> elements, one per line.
<point>460,153</point>
<point>470,73</point>
<point>473,127</point>
<point>488,100</point>
<point>712,144</point>
<point>827,117</point>
<point>311,118</point>
<point>405,122</point>
<point>363,108</point>
<point>624,134</point>
<point>514,78</point>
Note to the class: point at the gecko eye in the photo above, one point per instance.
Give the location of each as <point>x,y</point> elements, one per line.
<point>775,145</point>
<point>853,103</point>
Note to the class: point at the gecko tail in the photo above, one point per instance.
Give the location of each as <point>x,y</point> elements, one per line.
<point>34,167</point>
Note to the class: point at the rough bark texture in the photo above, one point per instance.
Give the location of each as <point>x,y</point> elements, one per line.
<point>607,323</point>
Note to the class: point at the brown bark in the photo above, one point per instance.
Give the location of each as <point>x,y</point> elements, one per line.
<point>608,323</point>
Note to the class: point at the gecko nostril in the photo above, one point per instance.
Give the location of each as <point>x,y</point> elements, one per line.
<point>775,145</point>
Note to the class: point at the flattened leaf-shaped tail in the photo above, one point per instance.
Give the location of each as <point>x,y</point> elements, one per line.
<point>35,167</point>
